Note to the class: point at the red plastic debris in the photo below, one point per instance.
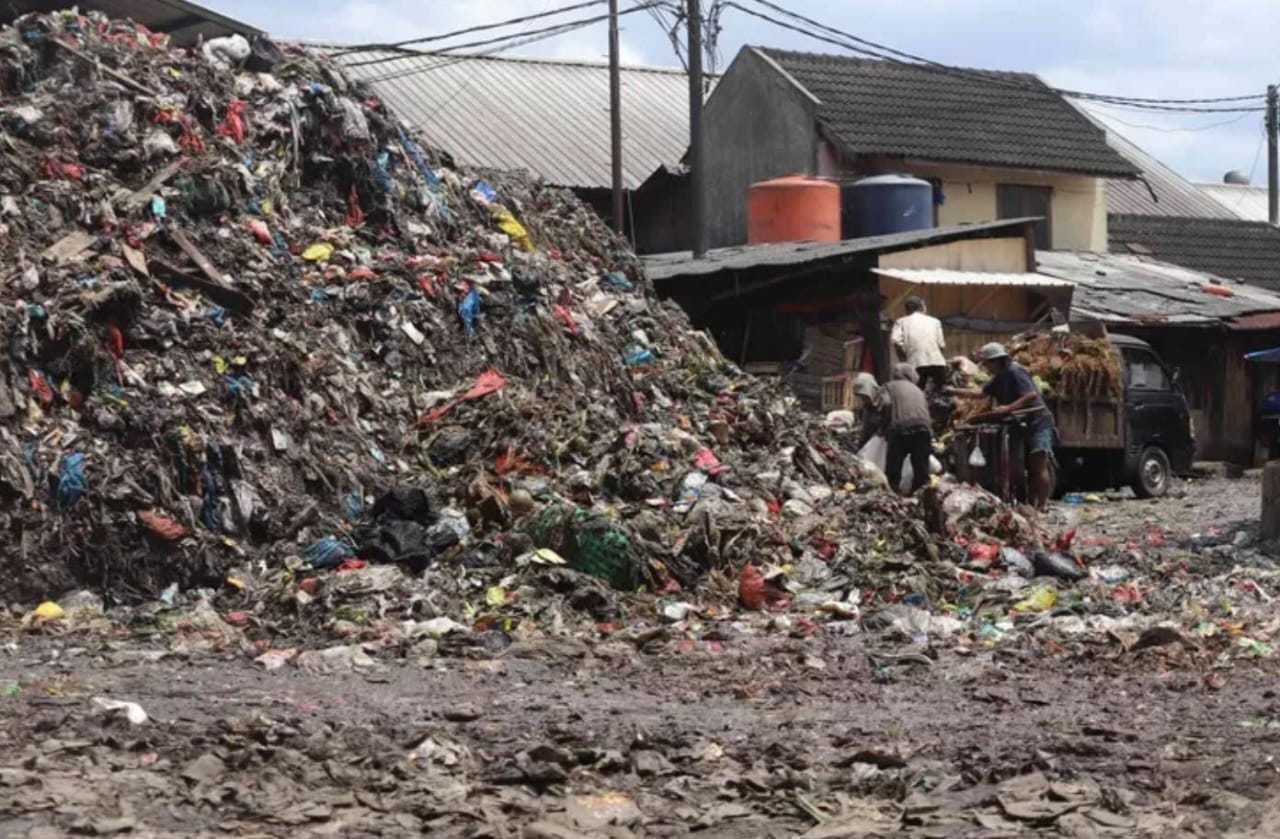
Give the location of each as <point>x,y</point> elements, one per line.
<point>1063,543</point>
<point>40,386</point>
<point>567,316</point>
<point>352,564</point>
<point>115,341</point>
<point>488,382</point>
<point>260,231</point>
<point>364,272</point>
<point>355,215</point>
<point>237,618</point>
<point>983,553</point>
<point>751,585</point>
<point>706,460</point>
<point>162,526</point>
<point>309,585</point>
<point>233,125</point>
<point>1126,593</point>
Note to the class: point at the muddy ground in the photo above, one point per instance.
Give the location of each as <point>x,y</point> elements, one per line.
<point>765,735</point>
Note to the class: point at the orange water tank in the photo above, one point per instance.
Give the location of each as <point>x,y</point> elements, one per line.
<point>793,208</point>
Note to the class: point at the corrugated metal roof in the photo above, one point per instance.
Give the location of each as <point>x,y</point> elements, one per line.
<point>1247,202</point>
<point>1135,290</point>
<point>183,21</point>
<point>665,266</point>
<point>946,276</point>
<point>548,117</point>
<point>1159,191</point>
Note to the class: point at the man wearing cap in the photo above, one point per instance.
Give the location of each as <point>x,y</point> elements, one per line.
<point>1012,390</point>
<point>919,342</point>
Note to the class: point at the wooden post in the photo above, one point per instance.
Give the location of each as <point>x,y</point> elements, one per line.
<point>1271,501</point>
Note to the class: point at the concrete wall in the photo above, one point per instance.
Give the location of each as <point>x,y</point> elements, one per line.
<point>1078,204</point>
<point>757,125</point>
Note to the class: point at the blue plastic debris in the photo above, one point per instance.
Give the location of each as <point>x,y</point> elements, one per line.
<point>327,553</point>
<point>469,310</point>
<point>383,176</point>
<point>71,480</point>
<point>217,314</point>
<point>239,388</point>
<point>483,190</point>
<point>411,147</point>
<point>618,281</point>
<point>639,355</point>
<point>158,208</point>
<point>318,295</point>
<point>353,505</point>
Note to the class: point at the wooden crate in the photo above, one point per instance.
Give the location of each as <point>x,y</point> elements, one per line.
<point>823,393</point>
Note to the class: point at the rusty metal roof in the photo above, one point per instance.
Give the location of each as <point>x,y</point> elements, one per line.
<point>550,118</point>
<point>1117,288</point>
<point>183,21</point>
<point>947,276</point>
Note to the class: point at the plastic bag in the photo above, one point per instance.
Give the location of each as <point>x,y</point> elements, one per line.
<point>876,452</point>
<point>976,459</point>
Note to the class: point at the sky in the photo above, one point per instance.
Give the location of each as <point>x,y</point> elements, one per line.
<point>1138,48</point>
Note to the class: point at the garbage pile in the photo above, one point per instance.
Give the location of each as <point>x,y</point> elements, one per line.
<point>253,321</point>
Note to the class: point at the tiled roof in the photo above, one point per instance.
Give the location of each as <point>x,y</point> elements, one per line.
<point>1230,248</point>
<point>550,118</point>
<point>961,116</point>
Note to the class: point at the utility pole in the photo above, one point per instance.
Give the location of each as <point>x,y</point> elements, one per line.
<point>698,172</point>
<point>1273,167</point>
<point>615,120</point>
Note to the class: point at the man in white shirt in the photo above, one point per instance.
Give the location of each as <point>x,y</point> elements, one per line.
<point>918,340</point>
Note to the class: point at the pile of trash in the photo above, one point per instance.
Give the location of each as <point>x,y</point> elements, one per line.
<point>253,322</point>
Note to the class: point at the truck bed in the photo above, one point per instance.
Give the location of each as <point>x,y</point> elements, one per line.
<point>1089,423</point>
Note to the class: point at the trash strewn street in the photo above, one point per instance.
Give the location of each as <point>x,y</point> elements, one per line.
<point>692,721</point>
<point>348,492</point>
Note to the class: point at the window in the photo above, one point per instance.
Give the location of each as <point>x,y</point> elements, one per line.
<point>1144,372</point>
<point>1016,201</point>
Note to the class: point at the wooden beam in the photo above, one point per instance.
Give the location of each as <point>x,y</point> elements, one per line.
<point>230,298</point>
<point>107,71</point>
<point>196,255</point>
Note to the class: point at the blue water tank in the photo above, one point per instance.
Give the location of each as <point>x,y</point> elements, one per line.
<point>885,204</point>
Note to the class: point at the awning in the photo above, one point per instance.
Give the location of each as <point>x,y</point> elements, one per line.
<point>944,276</point>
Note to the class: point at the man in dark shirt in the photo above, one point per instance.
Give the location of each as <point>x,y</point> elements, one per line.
<point>908,427</point>
<point>1012,390</point>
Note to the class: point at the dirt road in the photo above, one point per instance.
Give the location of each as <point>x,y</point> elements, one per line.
<point>781,733</point>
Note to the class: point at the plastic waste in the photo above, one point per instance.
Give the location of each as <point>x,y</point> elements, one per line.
<point>318,252</point>
<point>1017,562</point>
<point>131,711</point>
<point>226,52</point>
<point>1040,599</point>
<point>1062,566</point>
<point>976,458</point>
<point>469,310</point>
<point>876,452</point>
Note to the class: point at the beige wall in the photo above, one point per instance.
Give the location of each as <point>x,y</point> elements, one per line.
<point>1079,208</point>
<point>1005,256</point>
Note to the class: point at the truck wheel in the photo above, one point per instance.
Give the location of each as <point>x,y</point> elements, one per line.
<point>1154,473</point>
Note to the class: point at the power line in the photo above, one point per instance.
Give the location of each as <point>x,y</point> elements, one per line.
<point>557,29</point>
<point>871,49</point>
<point>371,47</point>
<point>1169,129</point>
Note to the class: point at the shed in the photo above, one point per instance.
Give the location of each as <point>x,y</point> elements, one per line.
<point>976,307</point>
<point>1201,324</point>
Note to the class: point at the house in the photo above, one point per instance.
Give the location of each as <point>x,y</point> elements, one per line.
<point>1200,324</point>
<point>817,311</point>
<point>995,144</point>
<point>551,119</point>
<point>1211,228</point>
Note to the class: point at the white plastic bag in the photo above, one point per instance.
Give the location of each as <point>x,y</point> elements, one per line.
<point>976,459</point>
<point>876,452</point>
